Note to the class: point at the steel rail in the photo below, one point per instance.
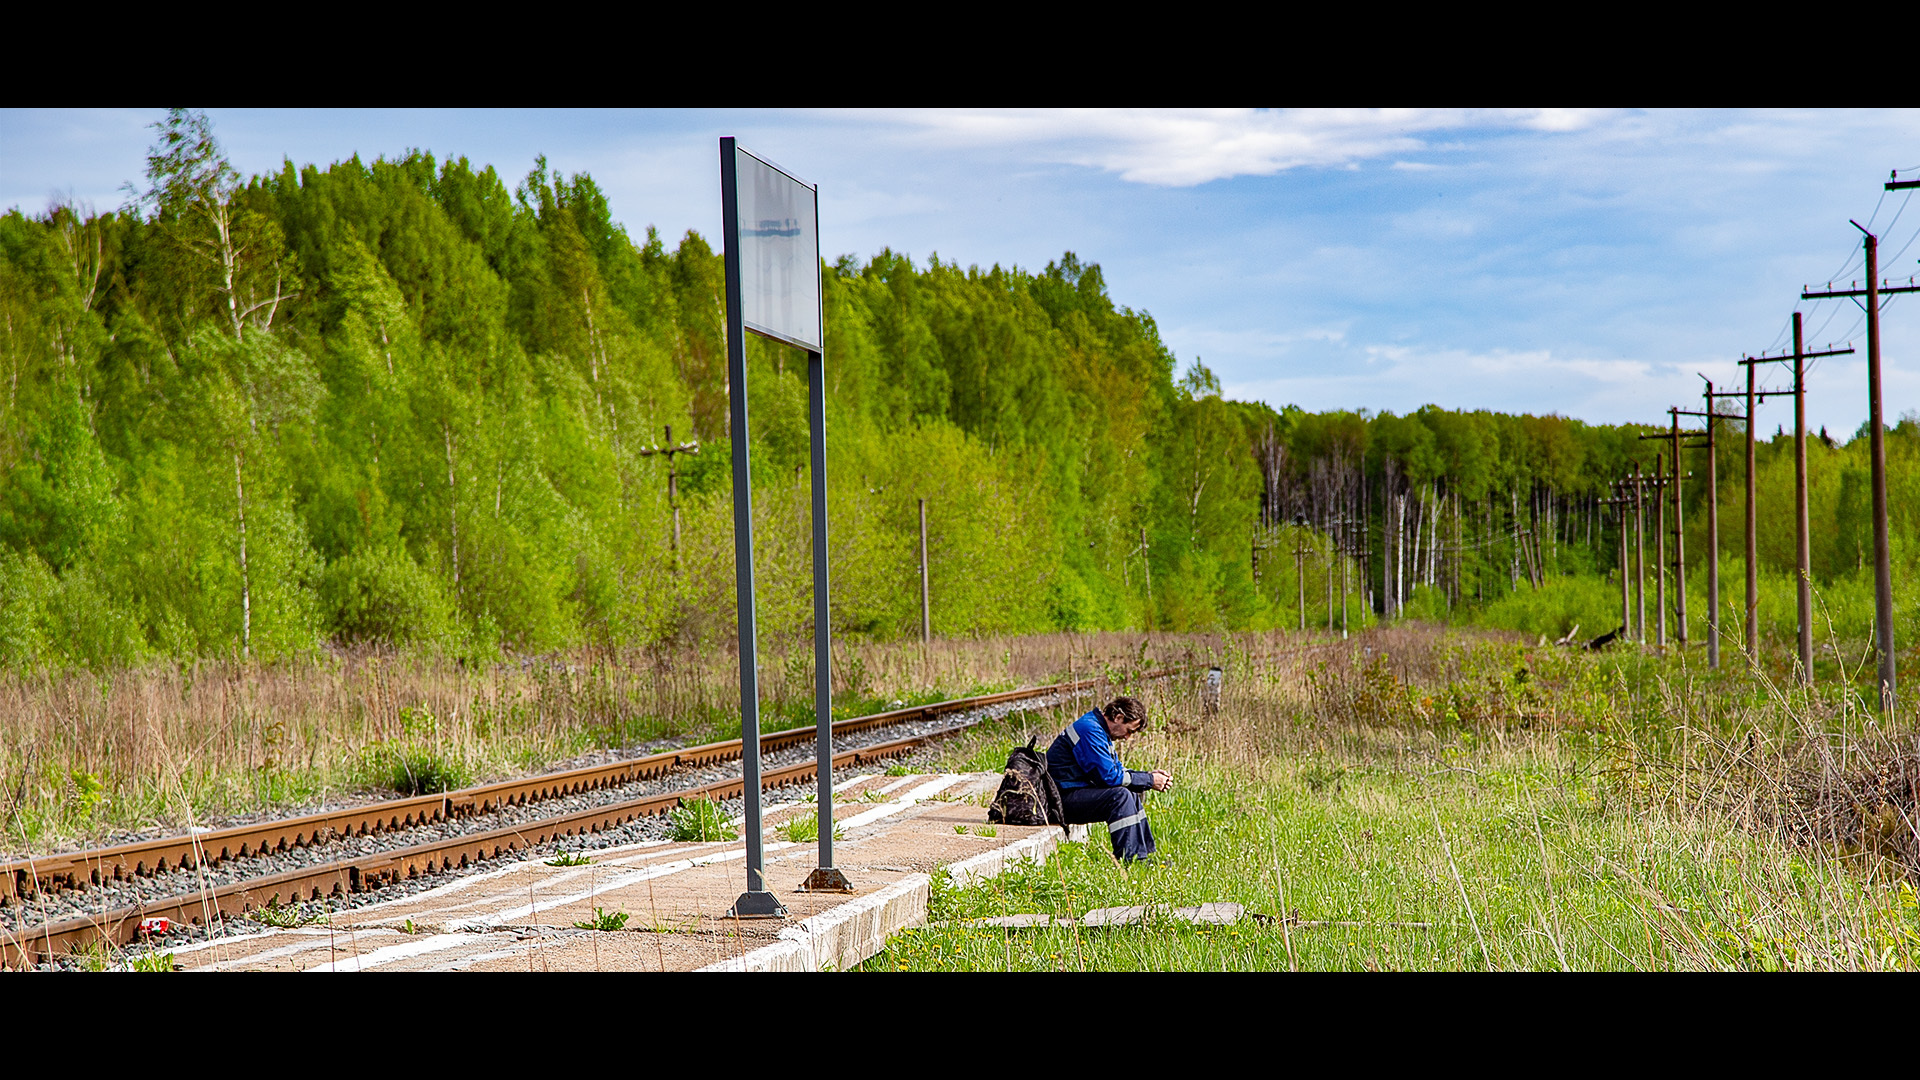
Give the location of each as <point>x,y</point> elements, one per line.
<point>119,926</point>
<point>24,878</point>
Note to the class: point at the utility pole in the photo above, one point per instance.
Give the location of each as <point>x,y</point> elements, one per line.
<point>1659,556</point>
<point>1671,479</point>
<point>1877,442</point>
<point>1753,533</point>
<point>1639,557</point>
<point>1660,482</point>
<point>1257,547</point>
<point>1713,524</point>
<point>1300,576</point>
<point>1713,540</point>
<point>1679,536</point>
<point>1345,523</point>
<point>1146,566</point>
<point>1803,558</point>
<point>1803,533</point>
<point>1877,435</point>
<point>926,608</point>
<point>1619,503</point>
<point>670,451</point>
<point>1329,572</point>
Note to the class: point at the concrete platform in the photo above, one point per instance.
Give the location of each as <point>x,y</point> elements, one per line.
<point>521,916</point>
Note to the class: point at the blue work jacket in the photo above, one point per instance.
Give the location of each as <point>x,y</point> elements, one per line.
<point>1082,756</point>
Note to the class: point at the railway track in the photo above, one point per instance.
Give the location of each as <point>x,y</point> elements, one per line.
<point>98,871</point>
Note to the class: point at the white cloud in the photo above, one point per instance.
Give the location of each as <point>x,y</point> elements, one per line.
<point>1182,148</point>
<point>1558,119</point>
<point>1504,365</point>
<point>1208,340</point>
<point>866,205</point>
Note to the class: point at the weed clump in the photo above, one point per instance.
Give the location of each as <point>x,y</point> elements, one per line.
<point>416,770</point>
<point>806,828</point>
<point>700,821</point>
<point>284,917</point>
<point>1868,809</point>
<point>415,765</point>
<point>609,921</point>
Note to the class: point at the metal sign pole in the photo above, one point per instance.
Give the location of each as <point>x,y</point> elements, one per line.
<point>757,901</point>
<point>825,876</point>
<point>772,232</point>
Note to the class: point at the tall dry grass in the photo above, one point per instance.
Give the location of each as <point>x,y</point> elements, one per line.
<point>83,756</point>
<point>1742,822</point>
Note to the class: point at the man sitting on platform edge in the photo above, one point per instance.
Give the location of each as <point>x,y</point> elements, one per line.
<point>1095,786</point>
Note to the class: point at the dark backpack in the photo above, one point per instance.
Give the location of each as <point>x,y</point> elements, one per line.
<point>1028,794</point>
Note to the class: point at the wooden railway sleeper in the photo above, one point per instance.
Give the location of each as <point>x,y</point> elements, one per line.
<point>30,879</point>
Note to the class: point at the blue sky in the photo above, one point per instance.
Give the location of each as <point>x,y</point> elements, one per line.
<point>1587,263</point>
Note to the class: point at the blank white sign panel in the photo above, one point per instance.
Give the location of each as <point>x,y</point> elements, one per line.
<point>779,253</point>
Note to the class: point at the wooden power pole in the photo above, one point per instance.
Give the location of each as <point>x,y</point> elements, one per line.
<point>1713,522</point>
<point>1619,503</point>
<point>926,605</point>
<point>1659,482</point>
<point>1639,556</point>
<point>1300,575</point>
<point>1802,565</point>
<point>1877,443</point>
<point>670,451</point>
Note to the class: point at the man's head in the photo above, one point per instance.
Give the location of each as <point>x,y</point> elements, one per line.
<point>1123,716</point>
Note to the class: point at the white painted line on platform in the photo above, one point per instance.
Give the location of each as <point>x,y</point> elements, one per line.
<point>393,953</point>
<point>325,940</point>
<point>618,881</point>
<point>441,892</point>
<point>465,962</point>
<point>924,791</point>
<point>896,785</point>
<point>236,939</point>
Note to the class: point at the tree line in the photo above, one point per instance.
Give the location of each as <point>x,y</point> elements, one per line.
<point>401,403</point>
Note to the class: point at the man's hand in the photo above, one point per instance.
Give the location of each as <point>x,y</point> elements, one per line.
<point>1162,780</point>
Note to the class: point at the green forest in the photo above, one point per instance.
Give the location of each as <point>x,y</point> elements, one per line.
<point>406,403</point>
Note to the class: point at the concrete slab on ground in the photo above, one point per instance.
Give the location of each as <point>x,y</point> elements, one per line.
<point>521,916</point>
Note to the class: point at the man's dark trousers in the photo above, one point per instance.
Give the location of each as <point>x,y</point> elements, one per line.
<point>1120,808</point>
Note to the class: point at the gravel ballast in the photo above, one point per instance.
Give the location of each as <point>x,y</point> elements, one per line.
<point>113,895</point>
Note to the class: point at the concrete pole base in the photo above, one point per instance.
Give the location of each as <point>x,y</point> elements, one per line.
<point>827,879</point>
<point>757,905</point>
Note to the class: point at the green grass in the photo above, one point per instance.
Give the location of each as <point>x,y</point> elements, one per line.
<point>286,916</point>
<point>604,920</point>
<point>1452,804</point>
<point>1523,871</point>
<point>700,821</point>
<point>413,769</point>
<point>806,829</point>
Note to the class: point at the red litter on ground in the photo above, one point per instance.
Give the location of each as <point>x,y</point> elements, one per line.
<point>155,926</point>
